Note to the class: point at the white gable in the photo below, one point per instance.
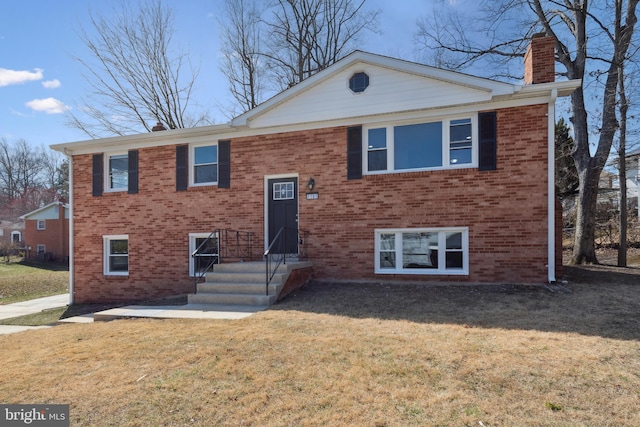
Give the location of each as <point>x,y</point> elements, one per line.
<point>394,86</point>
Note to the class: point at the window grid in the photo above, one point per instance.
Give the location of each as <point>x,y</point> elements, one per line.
<point>283,191</point>
<point>118,168</point>
<point>41,224</point>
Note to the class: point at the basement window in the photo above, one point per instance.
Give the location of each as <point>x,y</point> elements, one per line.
<point>422,251</point>
<point>116,255</point>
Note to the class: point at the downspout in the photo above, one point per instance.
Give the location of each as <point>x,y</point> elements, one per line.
<point>551,187</point>
<point>71,209</point>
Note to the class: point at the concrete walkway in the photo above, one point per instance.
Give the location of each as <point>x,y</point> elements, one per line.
<point>29,307</point>
<point>33,306</point>
<point>187,311</point>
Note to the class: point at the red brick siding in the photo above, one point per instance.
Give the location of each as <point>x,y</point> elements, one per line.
<point>505,210</point>
<point>539,61</point>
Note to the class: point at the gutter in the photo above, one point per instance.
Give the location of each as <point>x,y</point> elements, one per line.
<point>551,188</point>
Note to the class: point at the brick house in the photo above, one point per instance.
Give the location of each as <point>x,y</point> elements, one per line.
<point>11,233</point>
<point>395,171</point>
<point>46,232</point>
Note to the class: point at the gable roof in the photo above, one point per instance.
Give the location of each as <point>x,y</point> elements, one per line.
<point>43,209</point>
<point>396,85</point>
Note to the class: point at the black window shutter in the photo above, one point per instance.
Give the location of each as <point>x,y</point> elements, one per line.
<point>224,164</point>
<point>133,172</point>
<point>487,131</point>
<point>354,152</point>
<point>182,167</point>
<point>97,175</point>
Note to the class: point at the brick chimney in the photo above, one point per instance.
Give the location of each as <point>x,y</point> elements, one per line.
<point>158,127</point>
<point>539,61</point>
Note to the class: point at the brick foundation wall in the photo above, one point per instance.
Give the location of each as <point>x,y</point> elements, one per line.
<point>504,209</point>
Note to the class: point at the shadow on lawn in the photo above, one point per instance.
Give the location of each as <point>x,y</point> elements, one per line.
<point>603,301</point>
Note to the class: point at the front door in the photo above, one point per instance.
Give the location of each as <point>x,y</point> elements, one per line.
<point>283,213</point>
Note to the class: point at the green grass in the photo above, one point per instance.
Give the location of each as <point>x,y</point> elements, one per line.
<point>20,281</point>
<point>46,317</point>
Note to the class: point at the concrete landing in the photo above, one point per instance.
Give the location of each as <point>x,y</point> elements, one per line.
<point>188,311</point>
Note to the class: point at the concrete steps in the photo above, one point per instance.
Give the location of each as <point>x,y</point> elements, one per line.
<point>243,284</point>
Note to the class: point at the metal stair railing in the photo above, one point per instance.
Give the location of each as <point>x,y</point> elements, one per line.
<point>230,244</point>
<point>277,250</point>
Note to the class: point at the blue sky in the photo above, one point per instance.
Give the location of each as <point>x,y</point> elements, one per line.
<point>39,77</point>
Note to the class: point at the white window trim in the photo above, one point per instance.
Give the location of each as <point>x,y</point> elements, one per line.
<point>16,233</point>
<point>43,222</point>
<point>423,271</point>
<point>446,121</point>
<point>192,248</point>
<point>44,249</point>
<point>192,161</point>
<point>106,253</point>
<point>107,172</point>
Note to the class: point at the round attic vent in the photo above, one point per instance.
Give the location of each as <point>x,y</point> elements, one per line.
<point>359,82</point>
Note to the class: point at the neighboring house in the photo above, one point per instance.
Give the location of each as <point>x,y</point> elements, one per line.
<point>633,176</point>
<point>46,232</point>
<point>398,172</point>
<point>11,232</point>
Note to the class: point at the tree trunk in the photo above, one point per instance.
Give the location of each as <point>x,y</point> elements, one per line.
<point>584,251</point>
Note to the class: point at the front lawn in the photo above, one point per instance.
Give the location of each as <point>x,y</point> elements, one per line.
<point>359,354</point>
<point>20,281</point>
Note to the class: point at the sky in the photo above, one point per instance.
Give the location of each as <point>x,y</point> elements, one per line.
<point>40,77</point>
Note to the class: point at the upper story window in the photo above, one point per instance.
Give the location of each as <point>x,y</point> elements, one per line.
<point>41,224</point>
<point>117,172</point>
<point>449,143</point>
<point>359,82</point>
<point>205,164</point>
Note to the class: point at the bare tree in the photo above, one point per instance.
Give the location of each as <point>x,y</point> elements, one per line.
<point>287,42</point>
<point>586,37</point>
<point>241,46</point>
<point>134,76</point>
<point>26,177</point>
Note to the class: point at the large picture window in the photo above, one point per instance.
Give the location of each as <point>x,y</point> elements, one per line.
<point>444,144</point>
<point>204,165</point>
<point>116,255</point>
<point>422,251</point>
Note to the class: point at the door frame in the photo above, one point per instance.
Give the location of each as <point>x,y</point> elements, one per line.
<point>266,202</point>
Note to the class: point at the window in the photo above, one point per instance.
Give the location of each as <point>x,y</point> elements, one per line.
<point>207,248</point>
<point>40,249</point>
<point>205,164</point>
<point>422,251</point>
<point>116,255</point>
<point>16,236</point>
<point>118,172</point>
<point>450,143</point>
<point>359,82</point>
<point>283,191</point>
<point>41,224</point>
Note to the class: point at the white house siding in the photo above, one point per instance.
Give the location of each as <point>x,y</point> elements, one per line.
<point>393,91</point>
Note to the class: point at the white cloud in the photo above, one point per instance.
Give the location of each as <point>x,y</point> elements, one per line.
<point>48,105</point>
<point>51,84</point>
<point>13,77</point>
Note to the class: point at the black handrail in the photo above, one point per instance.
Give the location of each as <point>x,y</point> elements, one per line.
<point>279,242</point>
<point>231,244</point>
